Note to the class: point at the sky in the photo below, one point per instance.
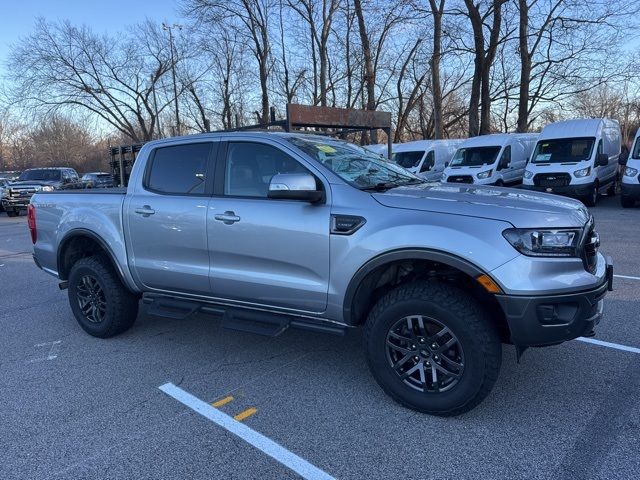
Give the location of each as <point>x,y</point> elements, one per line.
<point>17,17</point>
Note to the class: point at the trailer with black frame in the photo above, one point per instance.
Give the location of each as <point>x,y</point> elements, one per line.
<point>318,120</point>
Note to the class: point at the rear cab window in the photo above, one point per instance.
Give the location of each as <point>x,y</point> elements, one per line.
<point>179,169</point>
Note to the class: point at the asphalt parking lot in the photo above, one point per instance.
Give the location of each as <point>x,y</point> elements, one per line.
<point>73,406</point>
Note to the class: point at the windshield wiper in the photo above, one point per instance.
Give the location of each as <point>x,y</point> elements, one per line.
<point>384,186</point>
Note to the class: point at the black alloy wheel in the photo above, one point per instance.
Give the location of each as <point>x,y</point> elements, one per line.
<point>426,355</point>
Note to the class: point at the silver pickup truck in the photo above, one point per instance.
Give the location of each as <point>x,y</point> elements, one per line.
<point>278,230</point>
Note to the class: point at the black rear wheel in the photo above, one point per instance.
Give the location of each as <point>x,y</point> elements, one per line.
<point>626,202</point>
<point>431,347</point>
<point>102,305</point>
<point>12,213</point>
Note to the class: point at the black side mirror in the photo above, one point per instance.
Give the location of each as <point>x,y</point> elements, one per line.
<point>622,160</point>
<point>446,164</point>
<point>602,160</point>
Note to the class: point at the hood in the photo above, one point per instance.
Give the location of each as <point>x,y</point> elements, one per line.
<point>34,183</point>
<point>521,208</point>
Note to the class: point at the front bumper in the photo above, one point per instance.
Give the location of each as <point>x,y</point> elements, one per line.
<point>580,190</point>
<point>11,203</point>
<point>551,319</point>
<point>630,190</point>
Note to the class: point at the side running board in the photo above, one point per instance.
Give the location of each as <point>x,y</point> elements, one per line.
<point>235,318</point>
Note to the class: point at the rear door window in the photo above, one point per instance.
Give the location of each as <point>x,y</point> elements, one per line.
<point>179,169</point>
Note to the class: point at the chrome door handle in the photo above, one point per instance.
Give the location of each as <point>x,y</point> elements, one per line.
<point>145,211</point>
<point>228,217</point>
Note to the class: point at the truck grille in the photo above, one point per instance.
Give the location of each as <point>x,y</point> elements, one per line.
<point>552,179</point>
<point>460,179</point>
<point>21,192</point>
<point>590,245</point>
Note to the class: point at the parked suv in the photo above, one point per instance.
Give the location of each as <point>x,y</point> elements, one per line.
<point>278,230</point>
<point>97,180</point>
<point>16,197</point>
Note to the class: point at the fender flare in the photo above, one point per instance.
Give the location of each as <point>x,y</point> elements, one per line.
<point>83,232</point>
<point>403,254</point>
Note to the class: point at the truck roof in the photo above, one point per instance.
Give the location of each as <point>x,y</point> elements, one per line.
<point>582,127</point>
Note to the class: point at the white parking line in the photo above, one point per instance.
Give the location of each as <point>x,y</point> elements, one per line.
<point>627,277</point>
<point>262,443</point>
<point>609,345</point>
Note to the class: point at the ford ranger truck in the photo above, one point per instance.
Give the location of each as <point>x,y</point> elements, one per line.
<point>276,230</point>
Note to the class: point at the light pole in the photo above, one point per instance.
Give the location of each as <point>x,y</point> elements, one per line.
<point>170,28</point>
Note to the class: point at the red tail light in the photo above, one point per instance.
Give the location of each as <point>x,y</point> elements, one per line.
<point>31,220</point>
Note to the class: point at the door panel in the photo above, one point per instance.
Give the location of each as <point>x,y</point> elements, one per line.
<point>277,253</point>
<point>167,226</point>
<point>264,251</point>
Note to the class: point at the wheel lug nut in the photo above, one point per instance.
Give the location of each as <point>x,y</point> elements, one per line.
<point>434,345</point>
<point>416,358</point>
<point>413,347</point>
<point>422,340</point>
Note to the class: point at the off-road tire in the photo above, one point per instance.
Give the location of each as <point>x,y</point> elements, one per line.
<point>627,202</point>
<point>121,304</point>
<point>465,317</point>
<point>12,213</point>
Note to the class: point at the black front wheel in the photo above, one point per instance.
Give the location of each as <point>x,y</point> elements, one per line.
<point>626,202</point>
<point>12,213</point>
<point>431,347</point>
<point>102,305</point>
<point>592,198</point>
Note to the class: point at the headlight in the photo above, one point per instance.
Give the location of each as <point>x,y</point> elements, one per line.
<point>583,172</point>
<point>630,172</point>
<point>544,243</point>
<point>528,174</point>
<point>485,174</point>
<point>47,188</point>
<point>443,178</point>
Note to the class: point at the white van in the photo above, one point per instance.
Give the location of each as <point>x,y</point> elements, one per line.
<point>497,159</point>
<point>425,158</point>
<point>630,184</point>
<point>578,158</point>
<point>379,149</point>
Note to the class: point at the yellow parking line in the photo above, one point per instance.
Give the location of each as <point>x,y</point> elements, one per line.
<point>222,401</point>
<point>246,414</point>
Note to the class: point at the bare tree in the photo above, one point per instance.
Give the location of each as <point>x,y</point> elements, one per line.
<point>437,11</point>
<point>484,55</point>
<point>319,24</point>
<point>250,19</point>
<point>62,66</point>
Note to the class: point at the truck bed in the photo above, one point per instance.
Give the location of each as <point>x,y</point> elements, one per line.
<point>85,191</point>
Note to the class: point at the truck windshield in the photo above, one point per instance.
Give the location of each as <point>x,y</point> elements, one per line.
<point>563,150</point>
<point>636,150</point>
<point>362,169</point>
<point>40,174</point>
<point>475,156</point>
<point>407,159</point>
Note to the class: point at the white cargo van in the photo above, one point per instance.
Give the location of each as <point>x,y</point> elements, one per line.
<point>630,184</point>
<point>378,149</point>
<point>578,158</point>
<point>497,159</point>
<point>425,158</point>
